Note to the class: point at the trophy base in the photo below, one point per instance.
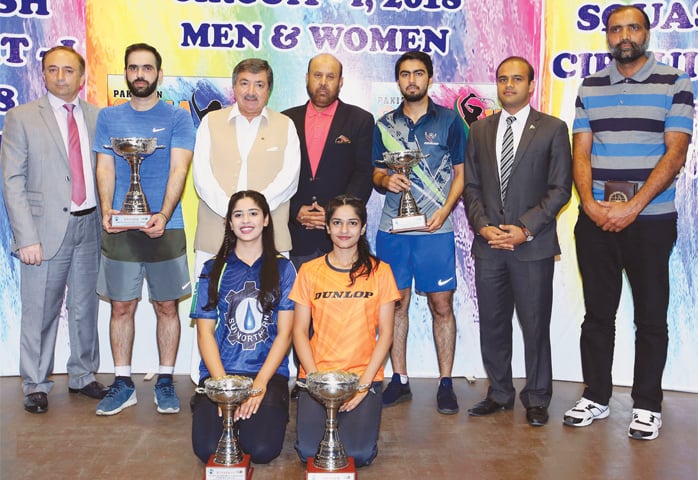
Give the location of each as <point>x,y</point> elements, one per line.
<point>238,471</point>
<point>314,473</point>
<point>130,220</point>
<point>413,223</point>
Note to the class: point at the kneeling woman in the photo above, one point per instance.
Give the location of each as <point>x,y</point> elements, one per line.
<point>350,296</point>
<point>244,320</point>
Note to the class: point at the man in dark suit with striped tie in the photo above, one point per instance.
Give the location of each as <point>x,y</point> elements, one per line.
<point>518,175</point>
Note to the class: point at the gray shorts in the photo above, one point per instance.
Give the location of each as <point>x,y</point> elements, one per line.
<point>123,281</point>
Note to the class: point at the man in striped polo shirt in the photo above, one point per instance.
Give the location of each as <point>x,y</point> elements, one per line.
<point>631,133</point>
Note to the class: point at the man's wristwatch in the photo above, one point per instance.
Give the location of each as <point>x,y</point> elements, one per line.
<point>527,233</point>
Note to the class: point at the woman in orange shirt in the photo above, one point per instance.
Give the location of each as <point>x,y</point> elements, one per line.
<point>350,296</point>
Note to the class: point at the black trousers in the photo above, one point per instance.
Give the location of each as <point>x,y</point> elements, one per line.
<point>503,284</point>
<point>642,250</point>
<point>261,436</point>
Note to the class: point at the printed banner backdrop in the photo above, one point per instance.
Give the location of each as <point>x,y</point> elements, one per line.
<point>201,41</point>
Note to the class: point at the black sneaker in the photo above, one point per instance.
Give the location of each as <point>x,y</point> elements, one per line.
<point>446,401</point>
<point>396,392</point>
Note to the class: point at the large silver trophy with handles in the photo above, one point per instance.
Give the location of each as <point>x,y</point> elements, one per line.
<point>135,211</point>
<point>332,389</point>
<point>228,462</point>
<point>409,218</point>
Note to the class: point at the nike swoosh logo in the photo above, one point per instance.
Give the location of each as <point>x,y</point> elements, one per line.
<point>156,130</point>
<point>441,283</point>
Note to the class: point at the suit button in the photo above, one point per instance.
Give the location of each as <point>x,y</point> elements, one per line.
<point>67,179</point>
<point>65,209</point>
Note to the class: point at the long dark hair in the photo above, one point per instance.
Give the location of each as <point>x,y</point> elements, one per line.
<point>269,289</point>
<point>366,262</point>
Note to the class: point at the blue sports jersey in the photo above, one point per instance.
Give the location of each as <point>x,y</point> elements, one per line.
<point>439,134</point>
<point>243,333</point>
<point>173,128</point>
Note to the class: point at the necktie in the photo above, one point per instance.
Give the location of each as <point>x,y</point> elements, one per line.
<point>507,160</point>
<point>75,158</point>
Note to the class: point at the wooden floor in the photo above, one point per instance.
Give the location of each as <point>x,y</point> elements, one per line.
<point>71,442</point>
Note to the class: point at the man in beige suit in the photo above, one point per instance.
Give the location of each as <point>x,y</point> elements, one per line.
<point>55,223</point>
<point>244,147</point>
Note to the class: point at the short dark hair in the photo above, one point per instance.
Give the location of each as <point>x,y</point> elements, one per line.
<point>254,65</point>
<point>414,55</point>
<point>143,46</point>
<point>531,73</point>
<point>64,48</point>
<point>623,8</point>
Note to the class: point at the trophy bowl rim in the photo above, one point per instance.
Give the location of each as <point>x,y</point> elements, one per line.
<point>313,375</point>
<point>408,150</point>
<point>215,383</point>
<point>397,159</point>
<point>143,145</point>
<point>316,387</point>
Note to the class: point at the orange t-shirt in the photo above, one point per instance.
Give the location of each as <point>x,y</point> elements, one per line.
<point>344,318</point>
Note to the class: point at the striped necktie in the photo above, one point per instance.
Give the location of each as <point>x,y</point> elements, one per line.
<point>507,160</point>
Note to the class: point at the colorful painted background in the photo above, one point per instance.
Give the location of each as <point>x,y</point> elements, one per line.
<point>201,41</point>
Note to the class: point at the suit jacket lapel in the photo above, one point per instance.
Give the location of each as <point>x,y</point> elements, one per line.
<point>335,131</point>
<point>491,139</point>
<point>49,119</point>
<point>527,135</point>
<point>90,119</point>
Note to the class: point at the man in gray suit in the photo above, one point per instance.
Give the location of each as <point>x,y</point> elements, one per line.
<point>518,175</point>
<point>55,222</point>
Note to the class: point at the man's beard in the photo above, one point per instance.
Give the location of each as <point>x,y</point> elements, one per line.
<point>142,93</point>
<point>414,97</point>
<point>636,51</point>
<point>327,103</point>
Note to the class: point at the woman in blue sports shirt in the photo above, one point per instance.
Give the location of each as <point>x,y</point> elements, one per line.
<point>244,321</point>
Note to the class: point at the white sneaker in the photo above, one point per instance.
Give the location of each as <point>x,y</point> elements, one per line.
<point>645,425</point>
<point>584,412</point>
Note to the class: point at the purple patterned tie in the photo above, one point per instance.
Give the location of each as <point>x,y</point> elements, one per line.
<point>75,158</point>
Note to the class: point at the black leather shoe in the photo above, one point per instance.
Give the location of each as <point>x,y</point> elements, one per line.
<point>486,407</point>
<point>537,416</point>
<point>92,390</point>
<point>36,402</point>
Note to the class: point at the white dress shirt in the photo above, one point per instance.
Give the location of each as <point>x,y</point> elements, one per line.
<point>517,129</point>
<point>281,189</point>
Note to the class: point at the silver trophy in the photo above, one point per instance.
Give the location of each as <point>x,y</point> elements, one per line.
<point>409,217</point>
<point>331,389</point>
<point>135,211</point>
<point>228,392</point>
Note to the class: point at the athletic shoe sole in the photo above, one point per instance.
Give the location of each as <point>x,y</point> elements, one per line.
<point>640,434</point>
<point>132,400</point>
<point>583,422</point>
<point>165,410</point>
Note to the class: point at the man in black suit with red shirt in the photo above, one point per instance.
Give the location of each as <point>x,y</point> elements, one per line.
<point>335,143</point>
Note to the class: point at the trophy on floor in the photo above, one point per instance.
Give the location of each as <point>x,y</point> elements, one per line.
<point>409,218</point>
<point>135,212</point>
<point>228,462</point>
<point>331,389</point>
